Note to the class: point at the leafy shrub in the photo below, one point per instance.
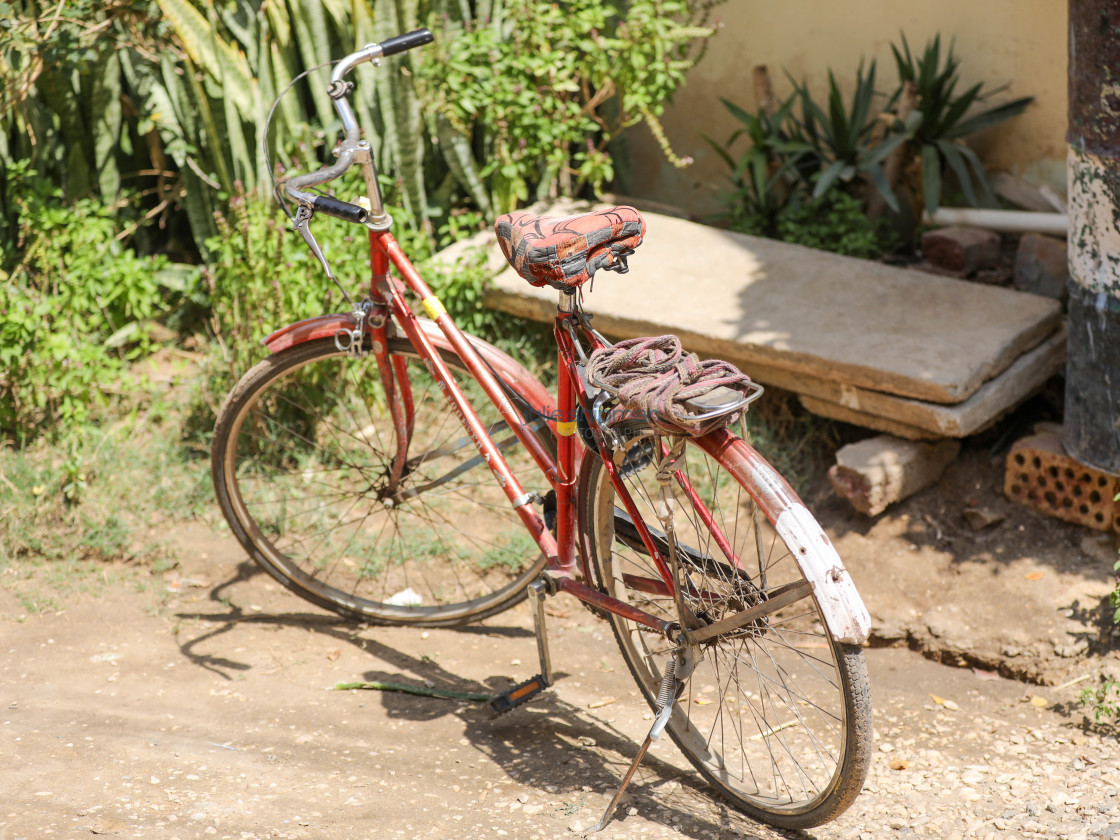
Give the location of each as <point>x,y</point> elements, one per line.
<point>77,303</point>
<point>529,99</point>
<point>834,222</point>
<point>1105,697</point>
<point>263,277</point>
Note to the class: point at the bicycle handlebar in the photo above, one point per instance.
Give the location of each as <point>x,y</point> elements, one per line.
<point>352,150</point>
<point>408,41</point>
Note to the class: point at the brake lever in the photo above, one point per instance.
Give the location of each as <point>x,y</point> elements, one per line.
<point>301,224</point>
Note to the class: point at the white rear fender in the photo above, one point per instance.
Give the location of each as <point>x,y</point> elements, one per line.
<point>844,612</point>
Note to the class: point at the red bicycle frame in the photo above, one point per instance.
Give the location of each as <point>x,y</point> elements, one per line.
<point>561,471</point>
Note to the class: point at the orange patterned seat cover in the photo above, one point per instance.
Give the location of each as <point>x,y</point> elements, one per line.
<point>566,252</point>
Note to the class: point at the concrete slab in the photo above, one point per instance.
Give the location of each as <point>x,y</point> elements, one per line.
<point>806,312</point>
<point>916,419</point>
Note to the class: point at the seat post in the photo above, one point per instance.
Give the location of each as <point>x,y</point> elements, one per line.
<point>567,302</point>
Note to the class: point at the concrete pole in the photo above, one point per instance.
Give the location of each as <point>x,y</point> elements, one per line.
<point>1092,407</point>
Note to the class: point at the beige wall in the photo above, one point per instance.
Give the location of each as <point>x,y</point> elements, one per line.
<point>1021,42</point>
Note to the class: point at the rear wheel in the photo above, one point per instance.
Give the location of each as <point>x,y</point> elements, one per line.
<point>301,460</point>
<point>776,715</point>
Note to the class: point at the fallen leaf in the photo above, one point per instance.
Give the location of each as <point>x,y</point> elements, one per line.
<point>899,763</point>
<point>947,704</point>
<point>702,701</point>
<point>334,654</point>
<point>598,704</point>
<point>1034,575</point>
<point>981,518</point>
<point>1040,702</point>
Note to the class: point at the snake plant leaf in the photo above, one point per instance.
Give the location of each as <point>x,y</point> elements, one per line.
<point>58,95</point>
<point>196,200</point>
<point>340,12</point>
<point>403,118</point>
<point>208,130</point>
<point>241,20</point>
<point>365,99</point>
<point>105,110</point>
<point>288,113</point>
<point>314,49</point>
<point>207,50</point>
<point>279,23</point>
<point>244,162</point>
<point>460,160</point>
<point>385,26</point>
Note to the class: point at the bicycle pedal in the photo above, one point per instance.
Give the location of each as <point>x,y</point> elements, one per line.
<point>518,694</point>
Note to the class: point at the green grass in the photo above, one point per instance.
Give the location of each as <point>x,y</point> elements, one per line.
<point>104,494</point>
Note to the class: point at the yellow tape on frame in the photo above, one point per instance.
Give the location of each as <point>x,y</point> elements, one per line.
<point>566,429</point>
<point>433,307</point>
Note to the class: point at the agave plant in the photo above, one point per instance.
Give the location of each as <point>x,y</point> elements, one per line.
<point>943,121</point>
<point>847,140</point>
<point>765,173</point>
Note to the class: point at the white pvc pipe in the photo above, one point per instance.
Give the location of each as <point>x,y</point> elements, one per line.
<point>1009,221</point>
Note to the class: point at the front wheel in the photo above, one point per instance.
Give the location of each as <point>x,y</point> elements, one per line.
<point>301,464</point>
<point>776,715</point>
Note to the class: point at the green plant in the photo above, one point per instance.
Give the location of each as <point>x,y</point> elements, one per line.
<point>834,222</point>
<point>1104,699</point>
<point>527,101</point>
<point>77,305</point>
<point>179,90</point>
<point>943,121</point>
<point>794,163</point>
<point>100,494</point>
<point>846,141</point>
<point>765,173</point>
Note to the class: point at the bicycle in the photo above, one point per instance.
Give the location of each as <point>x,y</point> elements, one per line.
<point>374,463</point>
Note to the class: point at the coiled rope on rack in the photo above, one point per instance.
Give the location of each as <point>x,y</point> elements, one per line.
<point>654,376</point>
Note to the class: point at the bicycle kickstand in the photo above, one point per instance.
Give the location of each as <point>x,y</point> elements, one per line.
<point>539,589</point>
<point>666,696</point>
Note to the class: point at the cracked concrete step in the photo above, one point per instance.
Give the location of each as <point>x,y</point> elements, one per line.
<point>916,419</point>
<point>804,312</point>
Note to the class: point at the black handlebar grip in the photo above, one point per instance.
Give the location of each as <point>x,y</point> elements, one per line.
<point>340,209</point>
<point>408,41</point>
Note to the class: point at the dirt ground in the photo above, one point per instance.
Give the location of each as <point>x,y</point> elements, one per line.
<point>1025,595</point>
<point>195,703</point>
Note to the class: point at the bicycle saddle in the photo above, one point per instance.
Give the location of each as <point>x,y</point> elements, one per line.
<point>566,252</point>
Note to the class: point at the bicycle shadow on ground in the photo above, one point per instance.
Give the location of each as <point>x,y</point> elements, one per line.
<point>338,628</point>
<point>564,751</point>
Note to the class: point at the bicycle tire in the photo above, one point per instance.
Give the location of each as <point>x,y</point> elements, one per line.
<point>301,450</point>
<point>776,715</point>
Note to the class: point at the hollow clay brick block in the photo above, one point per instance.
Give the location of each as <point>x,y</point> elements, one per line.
<point>1043,477</point>
<point>1041,266</point>
<point>879,471</point>
<point>961,250</point>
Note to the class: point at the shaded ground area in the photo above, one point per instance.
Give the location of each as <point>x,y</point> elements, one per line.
<point>194,705</point>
